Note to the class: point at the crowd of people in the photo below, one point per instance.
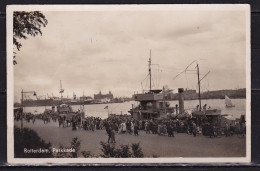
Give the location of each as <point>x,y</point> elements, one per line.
<point>125,124</point>
<point>30,117</point>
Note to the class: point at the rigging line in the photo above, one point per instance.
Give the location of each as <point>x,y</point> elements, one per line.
<point>190,64</point>
<point>192,73</point>
<point>153,84</point>
<point>143,81</point>
<point>167,69</point>
<point>178,75</point>
<point>158,77</point>
<point>184,70</point>
<point>156,65</point>
<point>208,82</point>
<point>186,80</point>
<point>142,86</point>
<point>170,68</point>
<point>145,77</point>
<point>159,80</point>
<point>204,76</point>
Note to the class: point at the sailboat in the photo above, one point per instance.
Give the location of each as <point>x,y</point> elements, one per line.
<point>228,102</point>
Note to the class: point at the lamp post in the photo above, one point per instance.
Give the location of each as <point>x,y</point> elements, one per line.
<point>24,92</point>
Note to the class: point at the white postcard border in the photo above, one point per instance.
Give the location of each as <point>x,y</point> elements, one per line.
<point>10,83</point>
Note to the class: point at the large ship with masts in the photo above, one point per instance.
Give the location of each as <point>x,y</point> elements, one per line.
<point>152,104</point>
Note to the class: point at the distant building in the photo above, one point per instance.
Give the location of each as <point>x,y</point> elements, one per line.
<point>85,98</point>
<point>104,97</point>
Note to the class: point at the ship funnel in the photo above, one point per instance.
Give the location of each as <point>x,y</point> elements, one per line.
<point>181,100</point>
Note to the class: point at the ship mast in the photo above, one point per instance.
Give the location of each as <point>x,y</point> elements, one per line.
<point>199,80</point>
<point>198,72</point>
<point>61,90</point>
<point>150,72</point>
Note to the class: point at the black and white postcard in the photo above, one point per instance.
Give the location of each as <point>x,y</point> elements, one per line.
<point>128,84</point>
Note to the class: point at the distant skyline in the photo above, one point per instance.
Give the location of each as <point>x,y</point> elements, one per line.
<point>94,51</point>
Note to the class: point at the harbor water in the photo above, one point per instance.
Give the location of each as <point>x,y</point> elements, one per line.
<point>102,110</point>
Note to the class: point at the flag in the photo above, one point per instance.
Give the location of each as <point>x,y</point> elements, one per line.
<point>106,107</point>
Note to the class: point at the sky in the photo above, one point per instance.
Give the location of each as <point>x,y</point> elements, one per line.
<point>94,51</point>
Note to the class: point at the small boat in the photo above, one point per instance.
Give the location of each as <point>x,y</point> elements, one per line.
<point>228,102</point>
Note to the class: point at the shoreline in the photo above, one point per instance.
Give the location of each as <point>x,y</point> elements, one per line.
<point>16,106</point>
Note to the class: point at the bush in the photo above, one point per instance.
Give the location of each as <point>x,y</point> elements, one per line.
<point>74,144</point>
<point>155,156</point>
<point>86,154</point>
<point>137,150</point>
<point>27,139</point>
<point>109,151</point>
<point>62,154</point>
<point>125,151</point>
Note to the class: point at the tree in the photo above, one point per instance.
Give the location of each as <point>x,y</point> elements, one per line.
<point>26,23</point>
<point>27,139</point>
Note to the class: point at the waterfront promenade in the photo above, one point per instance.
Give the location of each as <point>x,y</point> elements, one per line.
<point>182,145</point>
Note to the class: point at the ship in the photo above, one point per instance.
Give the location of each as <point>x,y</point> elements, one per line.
<point>213,116</point>
<point>56,101</point>
<point>65,111</point>
<point>152,104</point>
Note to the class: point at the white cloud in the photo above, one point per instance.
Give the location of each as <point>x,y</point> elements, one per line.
<point>109,50</point>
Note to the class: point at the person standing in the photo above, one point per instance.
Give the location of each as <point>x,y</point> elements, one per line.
<point>136,129</point>
<point>113,138</point>
<point>146,127</point>
<point>73,124</point>
<point>63,121</point>
<point>211,130</point>
<point>34,117</point>
<point>205,107</point>
<point>123,127</point>
<point>132,126</point>
<point>197,107</point>
<point>227,128</point>
<point>194,128</point>
<point>108,129</point>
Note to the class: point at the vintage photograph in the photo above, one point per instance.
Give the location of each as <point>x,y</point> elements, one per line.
<point>128,83</point>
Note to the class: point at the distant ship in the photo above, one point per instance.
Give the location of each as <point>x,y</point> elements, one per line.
<point>56,101</point>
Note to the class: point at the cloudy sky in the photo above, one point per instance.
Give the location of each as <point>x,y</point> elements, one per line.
<point>109,50</point>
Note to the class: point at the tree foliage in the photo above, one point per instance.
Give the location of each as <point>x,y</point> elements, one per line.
<point>28,139</point>
<point>110,151</point>
<point>74,144</point>
<point>26,23</point>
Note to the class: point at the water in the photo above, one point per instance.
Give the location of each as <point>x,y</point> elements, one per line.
<point>236,112</point>
<point>98,110</point>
